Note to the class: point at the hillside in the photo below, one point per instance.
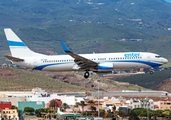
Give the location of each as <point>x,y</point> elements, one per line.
<point>24,80</point>
<point>160,80</point>
<point>88,25</point>
<point>142,14</point>
<point>93,38</point>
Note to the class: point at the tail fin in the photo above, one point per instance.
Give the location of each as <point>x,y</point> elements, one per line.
<point>17,47</point>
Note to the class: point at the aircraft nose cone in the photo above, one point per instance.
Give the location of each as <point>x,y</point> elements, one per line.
<point>165,61</point>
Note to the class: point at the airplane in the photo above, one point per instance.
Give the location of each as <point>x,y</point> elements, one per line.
<point>22,56</point>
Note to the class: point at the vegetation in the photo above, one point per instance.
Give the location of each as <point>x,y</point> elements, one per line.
<point>88,27</point>
<point>102,112</point>
<point>24,80</point>
<point>41,24</point>
<point>147,80</point>
<point>14,79</point>
<point>53,105</point>
<point>82,104</point>
<point>42,112</point>
<point>44,13</point>
<point>65,106</point>
<point>131,114</point>
<point>29,110</point>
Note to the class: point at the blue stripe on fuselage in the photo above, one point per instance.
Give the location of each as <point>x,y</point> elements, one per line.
<point>46,65</point>
<point>152,64</point>
<point>43,66</point>
<point>14,43</point>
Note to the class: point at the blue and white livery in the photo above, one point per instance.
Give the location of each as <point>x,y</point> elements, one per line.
<point>97,62</point>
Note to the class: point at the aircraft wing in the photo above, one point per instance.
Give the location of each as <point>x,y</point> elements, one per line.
<point>14,58</point>
<point>82,62</point>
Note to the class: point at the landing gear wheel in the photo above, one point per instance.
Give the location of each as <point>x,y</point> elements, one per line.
<point>151,72</point>
<point>86,74</point>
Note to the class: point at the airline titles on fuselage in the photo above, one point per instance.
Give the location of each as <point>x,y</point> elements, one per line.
<point>126,56</point>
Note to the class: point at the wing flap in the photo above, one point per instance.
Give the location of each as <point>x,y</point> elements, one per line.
<point>14,58</point>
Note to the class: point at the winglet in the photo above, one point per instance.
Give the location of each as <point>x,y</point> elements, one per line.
<point>65,48</point>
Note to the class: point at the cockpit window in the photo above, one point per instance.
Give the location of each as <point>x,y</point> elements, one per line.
<point>158,56</point>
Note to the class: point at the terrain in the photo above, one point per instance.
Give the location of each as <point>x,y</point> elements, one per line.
<point>160,80</point>
<point>86,26</point>
<point>142,14</point>
<point>14,79</point>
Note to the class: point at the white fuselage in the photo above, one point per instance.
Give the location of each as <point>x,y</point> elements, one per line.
<point>106,61</point>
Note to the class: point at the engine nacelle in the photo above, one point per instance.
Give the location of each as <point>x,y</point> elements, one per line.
<point>107,66</point>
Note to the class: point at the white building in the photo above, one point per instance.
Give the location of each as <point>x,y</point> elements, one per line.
<point>37,94</point>
<point>146,103</point>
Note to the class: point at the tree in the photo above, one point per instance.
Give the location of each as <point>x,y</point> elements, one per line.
<point>114,110</point>
<point>157,113</point>
<point>14,107</point>
<point>110,113</point>
<point>53,104</point>
<point>85,113</point>
<point>82,104</point>
<point>29,110</point>
<point>166,114</point>
<point>64,106</point>
<point>140,112</point>
<point>102,112</point>
<point>133,115</point>
<point>76,105</point>
<point>47,110</point>
<point>39,112</point>
<point>93,109</point>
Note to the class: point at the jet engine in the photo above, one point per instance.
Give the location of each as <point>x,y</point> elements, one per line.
<point>107,66</point>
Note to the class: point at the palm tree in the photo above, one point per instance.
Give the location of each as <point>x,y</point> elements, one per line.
<point>93,109</point>
<point>102,112</point>
<point>64,106</point>
<point>82,104</point>
<point>53,104</point>
<point>114,110</point>
<point>75,106</point>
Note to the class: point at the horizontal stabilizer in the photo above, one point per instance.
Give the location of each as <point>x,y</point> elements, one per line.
<point>14,58</point>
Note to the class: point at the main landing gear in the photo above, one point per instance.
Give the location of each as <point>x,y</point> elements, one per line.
<point>86,74</point>
<point>151,71</point>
